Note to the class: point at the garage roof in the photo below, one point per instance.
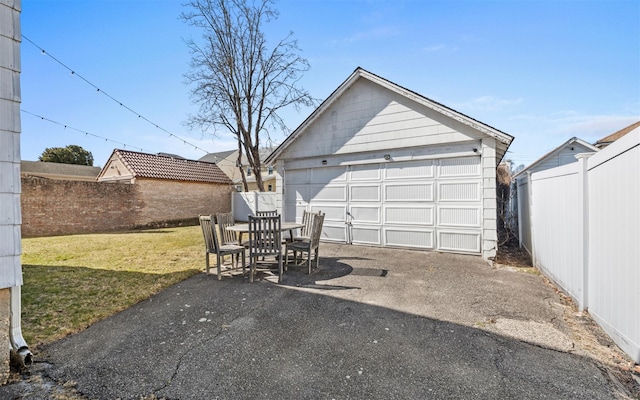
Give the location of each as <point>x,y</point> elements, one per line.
<point>164,167</point>
<point>503,139</point>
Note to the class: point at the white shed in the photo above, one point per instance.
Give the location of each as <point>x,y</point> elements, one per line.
<point>390,167</point>
<point>561,155</point>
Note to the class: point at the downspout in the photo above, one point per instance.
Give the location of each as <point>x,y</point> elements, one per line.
<point>20,353</point>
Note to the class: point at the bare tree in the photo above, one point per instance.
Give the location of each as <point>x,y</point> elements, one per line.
<point>241,85</point>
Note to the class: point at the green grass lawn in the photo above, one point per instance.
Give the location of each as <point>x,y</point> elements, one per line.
<point>70,282</point>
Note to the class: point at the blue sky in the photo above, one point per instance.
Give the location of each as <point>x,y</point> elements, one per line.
<point>542,71</point>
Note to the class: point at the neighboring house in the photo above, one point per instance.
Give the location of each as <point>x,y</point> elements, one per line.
<point>169,188</point>
<point>561,155</point>
<point>390,167</point>
<point>228,162</point>
<point>518,202</point>
<point>607,140</point>
<point>52,170</point>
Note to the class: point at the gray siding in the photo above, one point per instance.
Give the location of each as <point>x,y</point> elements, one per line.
<point>10,219</point>
<point>368,117</point>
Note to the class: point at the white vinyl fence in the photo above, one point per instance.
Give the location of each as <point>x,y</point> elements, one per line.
<point>581,224</point>
<point>247,203</point>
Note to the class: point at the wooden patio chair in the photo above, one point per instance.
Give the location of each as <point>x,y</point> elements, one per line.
<point>264,240</point>
<point>228,237</point>
<point>272,213</point>
<point>307,220</point>
<point>213,246</point>
<point>308,246</point>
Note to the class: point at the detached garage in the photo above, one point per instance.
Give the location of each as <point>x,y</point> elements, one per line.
<point>389,167</point>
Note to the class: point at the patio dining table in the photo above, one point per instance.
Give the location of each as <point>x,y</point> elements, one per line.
<point>241,229</point>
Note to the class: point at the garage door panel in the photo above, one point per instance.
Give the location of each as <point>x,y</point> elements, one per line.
<point>334,233</point>
<point>459,241</point>
<point>406,237</point>
<point>333,212</point>
<point>409,215</point>
<point>409,192</point>
<point>300,208</point>
<point>365,214</point>
<point>365,235</point>
<point>327,175</point>
<point>297,176</point>
<point>459,216</point>
<point>409,169</point>
<point>333,193</point>
<point>365,192</point>
<point>296,193</point>
<point>459,191</point>
<point>365,172</point>
<point>458,167</point>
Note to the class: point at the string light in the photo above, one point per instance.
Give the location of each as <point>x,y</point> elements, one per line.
<point>81,131</point>
<point>74,73</point>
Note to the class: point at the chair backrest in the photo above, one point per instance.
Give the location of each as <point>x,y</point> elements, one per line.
<point>264,236</point>
<point>209,233</point>
<point>307,220</point>
<point>273,213</point>
<point>316,230</point>
<point>225,220</point>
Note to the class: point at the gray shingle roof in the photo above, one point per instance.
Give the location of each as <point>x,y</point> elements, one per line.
<point>52,168</point>
<point>162,167</point>
<point>215,157</point>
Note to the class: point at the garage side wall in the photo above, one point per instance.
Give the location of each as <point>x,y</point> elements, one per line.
<point>489,200</point>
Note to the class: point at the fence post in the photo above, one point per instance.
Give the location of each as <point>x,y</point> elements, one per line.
<point>583,301</point>
<point>531,220</point>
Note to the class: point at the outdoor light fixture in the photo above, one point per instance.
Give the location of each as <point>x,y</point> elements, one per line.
<point>324,162</point>
<point>387,157</point>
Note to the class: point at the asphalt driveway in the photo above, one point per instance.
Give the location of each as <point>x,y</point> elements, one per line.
<point>369,324</point>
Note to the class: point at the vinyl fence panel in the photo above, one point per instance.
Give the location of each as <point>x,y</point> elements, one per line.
<point>581,223</point>
<point>558,227</point>
<point>614,241</point>
<point>524,213</point>
<point>247,203</point>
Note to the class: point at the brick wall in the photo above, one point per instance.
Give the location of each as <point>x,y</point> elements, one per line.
<point>59,207</point>
<point>176,200</point>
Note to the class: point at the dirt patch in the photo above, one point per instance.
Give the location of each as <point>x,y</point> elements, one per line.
<point>514,256</point>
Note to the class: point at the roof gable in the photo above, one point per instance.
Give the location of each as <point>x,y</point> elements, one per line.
<point>570,145</point>
<point>143,165</point>
<point>503,140</point>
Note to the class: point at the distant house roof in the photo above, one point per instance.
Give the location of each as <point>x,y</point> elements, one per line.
<point>217,157</point>
<point>607,140</point>
<point>52,170</point>
<point>537,165</point>
<point>143,165</point>
<point>222,155</point>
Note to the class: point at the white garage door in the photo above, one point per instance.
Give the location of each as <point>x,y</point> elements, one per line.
<point>427,204</point>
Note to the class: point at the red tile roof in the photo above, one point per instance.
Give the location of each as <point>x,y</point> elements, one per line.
<point>164,167</point>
